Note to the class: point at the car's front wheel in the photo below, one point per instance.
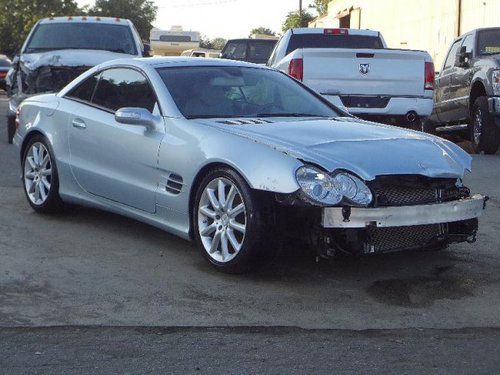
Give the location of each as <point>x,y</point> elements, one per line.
<point>484,134</point>
<point>40,178</point>
<point>228,222</point>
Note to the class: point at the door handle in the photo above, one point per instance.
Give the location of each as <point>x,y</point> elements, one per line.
<point>77,123</point>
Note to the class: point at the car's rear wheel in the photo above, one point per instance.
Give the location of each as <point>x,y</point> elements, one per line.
<point>228,221</point>
<point>40,178</point>
<point>484,134</point>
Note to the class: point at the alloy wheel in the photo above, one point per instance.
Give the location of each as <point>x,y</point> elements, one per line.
<point>477,126</point>
<point>222,219</point>
<point>37,173</point>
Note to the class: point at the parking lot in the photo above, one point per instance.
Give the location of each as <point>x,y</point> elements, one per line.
<point>87,269</point>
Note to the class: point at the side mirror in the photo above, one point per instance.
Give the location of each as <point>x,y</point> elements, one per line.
<point>147,50</point>
<point>463,57</point>
<point>135,116</point>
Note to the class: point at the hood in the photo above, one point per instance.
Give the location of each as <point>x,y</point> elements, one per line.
<point>69,57</point>
<point>365,148</point>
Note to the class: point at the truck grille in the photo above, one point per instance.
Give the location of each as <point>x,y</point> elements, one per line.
<point>402,238</point>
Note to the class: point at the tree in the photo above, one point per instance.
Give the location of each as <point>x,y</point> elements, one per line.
<point>294,19</point>
<point>141,12</point>
<point>216,43</point>
<point>17,17</point>
<point>263,31</point>
<point>321,6</point>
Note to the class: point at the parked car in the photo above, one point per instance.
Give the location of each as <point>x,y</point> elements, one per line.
<point>206,53</point>
<point>251,50</point>
<point>5,65</point>
<point>354,69</point>
<point>59,49</point>
<point>235,156</point>
<point>467,95</point>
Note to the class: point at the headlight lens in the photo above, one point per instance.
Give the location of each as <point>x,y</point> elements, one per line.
<point>318,185</point>
<point>496,82</point>
<point>322,188</point>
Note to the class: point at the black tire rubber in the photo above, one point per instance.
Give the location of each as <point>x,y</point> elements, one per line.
<point>429,126</point>
<point>253,251</point>
<point>11,128</point>
<point>54,203</point>
<point>489,138</point>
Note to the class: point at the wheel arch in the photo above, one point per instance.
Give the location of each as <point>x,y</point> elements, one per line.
<point>28,137</point>
<point>196,182</point>
<point>478,89</point>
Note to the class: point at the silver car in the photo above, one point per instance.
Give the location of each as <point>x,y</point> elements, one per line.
<point>239,157</point>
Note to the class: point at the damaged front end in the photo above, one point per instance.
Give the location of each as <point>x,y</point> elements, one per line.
<point>406,213</point>
<point>25,82</point>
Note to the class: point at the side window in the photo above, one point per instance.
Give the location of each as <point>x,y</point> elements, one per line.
<point>469,44</point>
<point>122,87</point>
<point>452,55</point>
<point>84,91</point>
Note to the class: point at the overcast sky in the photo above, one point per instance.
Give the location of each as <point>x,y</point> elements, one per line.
<point>224,18</point>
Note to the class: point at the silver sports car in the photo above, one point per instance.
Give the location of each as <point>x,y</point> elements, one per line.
<point>237,157</point>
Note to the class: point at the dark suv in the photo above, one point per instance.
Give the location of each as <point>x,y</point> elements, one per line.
<point>467,91</point>
<point>252,50</point>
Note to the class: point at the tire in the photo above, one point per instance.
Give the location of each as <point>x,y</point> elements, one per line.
<point>483,132</point>
<point>11,128</point>
<point>234,251</point>
<point>40,177</point>
<point>429,126</point>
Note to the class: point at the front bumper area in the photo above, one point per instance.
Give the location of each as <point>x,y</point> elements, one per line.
<point>448,212</point>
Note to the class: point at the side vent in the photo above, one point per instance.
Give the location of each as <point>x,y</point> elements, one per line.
<point>174,184</point>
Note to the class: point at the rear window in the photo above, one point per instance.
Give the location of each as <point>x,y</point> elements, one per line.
<point>333,41</point>
<point>256,51</point>
<point>4,63</point>
<point>78,35</point>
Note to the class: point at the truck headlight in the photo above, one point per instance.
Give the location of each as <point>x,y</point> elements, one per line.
<point>322,188</point>
<point>495,79</point>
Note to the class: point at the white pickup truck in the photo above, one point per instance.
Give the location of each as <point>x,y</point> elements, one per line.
<point>355,70</point>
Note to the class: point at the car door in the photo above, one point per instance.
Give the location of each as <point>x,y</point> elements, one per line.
<point>444,82</point>
<point>462,80</point>
<point>110,159</point>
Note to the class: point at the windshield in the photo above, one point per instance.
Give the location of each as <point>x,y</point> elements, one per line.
<point>115,38</point>
<point>222,91</point>
<point>489,42</point>
<point>333,41</point>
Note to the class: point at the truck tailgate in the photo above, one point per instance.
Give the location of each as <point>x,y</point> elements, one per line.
<point>343,71</point>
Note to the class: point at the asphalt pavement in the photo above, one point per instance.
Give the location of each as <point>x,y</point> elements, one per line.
<point>89,291</point>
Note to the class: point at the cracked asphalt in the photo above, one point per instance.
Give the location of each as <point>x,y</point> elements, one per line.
<point>92,292</point>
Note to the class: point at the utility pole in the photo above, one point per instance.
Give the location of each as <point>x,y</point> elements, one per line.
<point>300,10</point>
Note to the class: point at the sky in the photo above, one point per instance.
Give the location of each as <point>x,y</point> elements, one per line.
<point>222,18</point>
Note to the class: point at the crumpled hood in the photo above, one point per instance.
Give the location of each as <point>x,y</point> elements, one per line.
<point>365,148</point>
<point>69,57</point>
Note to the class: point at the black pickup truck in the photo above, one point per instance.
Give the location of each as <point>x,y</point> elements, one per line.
<point>467,91</point>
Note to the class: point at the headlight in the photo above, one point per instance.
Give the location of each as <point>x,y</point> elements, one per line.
<point>318,185</point>
<point>325,189</point>
<point>495,79</point>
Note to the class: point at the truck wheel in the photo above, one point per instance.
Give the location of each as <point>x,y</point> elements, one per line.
<point>429,126</point>
<point>484,134</point>
<point>11,128</point>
